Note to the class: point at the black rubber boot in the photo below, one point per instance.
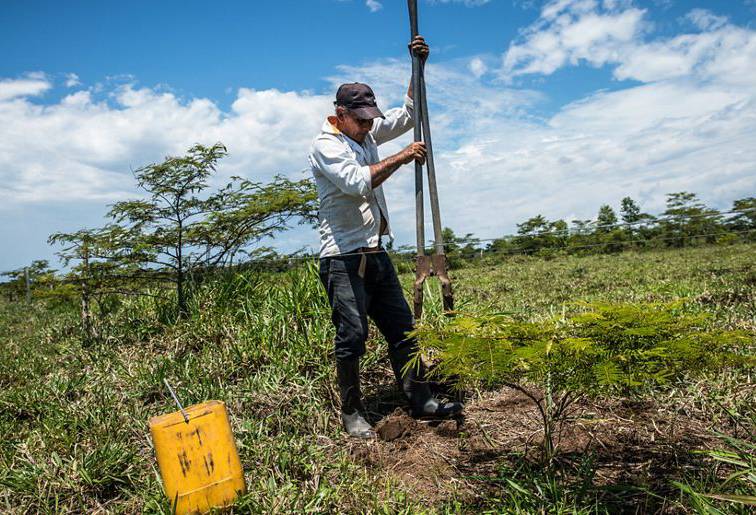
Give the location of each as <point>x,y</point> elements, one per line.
<point>416,388</point>
<point>352,410</point>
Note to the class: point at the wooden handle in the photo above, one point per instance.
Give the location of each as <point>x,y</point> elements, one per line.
<point>412,4</point>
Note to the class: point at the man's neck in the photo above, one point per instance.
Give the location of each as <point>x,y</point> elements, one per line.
<point>334,121</point>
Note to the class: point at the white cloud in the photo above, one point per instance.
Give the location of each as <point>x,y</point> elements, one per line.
<point>726,54</point>
<point>643,142</point>
<point>31,85</point>
<point>83,148</point>
<point>477,67</point>
<point>72,80</point>
<point>705,19</point>
<point>373,5</point>
<point>571,32</point>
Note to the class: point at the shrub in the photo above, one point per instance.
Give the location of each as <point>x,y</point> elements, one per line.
<point>594,350</point>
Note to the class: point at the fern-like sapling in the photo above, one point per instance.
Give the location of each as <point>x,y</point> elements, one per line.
<point>593,350</point>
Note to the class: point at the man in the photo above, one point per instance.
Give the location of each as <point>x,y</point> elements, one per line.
<point>355,270</point>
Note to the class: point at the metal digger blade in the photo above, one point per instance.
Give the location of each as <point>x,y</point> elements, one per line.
<point>439,269</point>
<point>427,266</point>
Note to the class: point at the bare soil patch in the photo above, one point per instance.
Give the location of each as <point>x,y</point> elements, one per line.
<point>642,445</point>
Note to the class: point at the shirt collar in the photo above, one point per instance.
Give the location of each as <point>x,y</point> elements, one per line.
<point>329,127</point>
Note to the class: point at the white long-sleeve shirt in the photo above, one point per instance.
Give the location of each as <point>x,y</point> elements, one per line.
<point>350,208</point>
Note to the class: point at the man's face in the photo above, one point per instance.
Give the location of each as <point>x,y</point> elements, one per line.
<point>353,126</point>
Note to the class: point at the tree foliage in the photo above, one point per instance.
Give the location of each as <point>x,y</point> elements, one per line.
<point>41,278</point>
<point>181,226</point>
<point>596,350</point>
<point>687,218</point>
<point>538,233</point>
<point>743,218</point>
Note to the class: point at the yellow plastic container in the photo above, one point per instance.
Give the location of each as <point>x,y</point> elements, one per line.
<point>198,460</point>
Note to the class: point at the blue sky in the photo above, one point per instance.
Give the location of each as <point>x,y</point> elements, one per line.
<point>537,106</point>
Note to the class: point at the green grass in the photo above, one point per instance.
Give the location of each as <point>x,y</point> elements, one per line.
<point>74,416</point>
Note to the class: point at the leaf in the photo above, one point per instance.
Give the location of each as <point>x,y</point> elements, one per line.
<point>577,345</point>
<point>607,373</point>
<point>749,500</point>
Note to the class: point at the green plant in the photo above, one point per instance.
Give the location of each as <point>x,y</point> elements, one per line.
<point>180,227</point>
<point>262,343</point>
<point>596,350</point>
<point>737,491</point>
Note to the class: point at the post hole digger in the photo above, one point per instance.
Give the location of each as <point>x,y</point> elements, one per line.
<point>434,264</point>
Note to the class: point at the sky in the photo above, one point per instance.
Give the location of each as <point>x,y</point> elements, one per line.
<point>537,107</point>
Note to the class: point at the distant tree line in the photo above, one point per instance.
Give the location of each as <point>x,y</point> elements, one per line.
<point>686,221</point>
<point>183,228</point>
<point>38,273</point>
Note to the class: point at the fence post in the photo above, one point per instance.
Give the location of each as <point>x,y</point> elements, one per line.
<point>28,285</point>
<point>86,309</point>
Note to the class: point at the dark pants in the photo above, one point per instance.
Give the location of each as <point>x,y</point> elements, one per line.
<point>353,298</point>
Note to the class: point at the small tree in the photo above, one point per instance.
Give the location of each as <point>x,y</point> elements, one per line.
<point>501,246</point>
<point>40,276</point>
<point>600,350</point>
<point>636,221</point>
<point>93,275</point>
<point>607,233</point>
<point>537,233</point>
<point>606,220</point>
<point>744,219</point>
<point>687,219</point>
<point>458,249</point>
<point>179,228</point>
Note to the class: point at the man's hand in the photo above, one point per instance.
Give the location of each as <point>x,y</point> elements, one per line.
<point>419,47</point>
<point>414,152</point>
<point>381,170</point>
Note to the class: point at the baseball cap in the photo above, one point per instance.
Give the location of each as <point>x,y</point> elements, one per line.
<point>359,99</point>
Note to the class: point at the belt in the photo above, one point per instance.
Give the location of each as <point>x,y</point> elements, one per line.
<point>367,250</point>
<point>363,259</point>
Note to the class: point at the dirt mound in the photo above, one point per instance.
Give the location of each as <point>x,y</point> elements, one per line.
<point>449,428</point>
<point>395,426</point>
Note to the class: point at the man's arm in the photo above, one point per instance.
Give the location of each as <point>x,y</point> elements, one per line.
<point>338,165</point>
<point>382,170</point>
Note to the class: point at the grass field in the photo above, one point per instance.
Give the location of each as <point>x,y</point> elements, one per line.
<point>74,417</point>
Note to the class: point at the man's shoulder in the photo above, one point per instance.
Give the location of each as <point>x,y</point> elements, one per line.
<point>325,139</point>
<point>324,148</point>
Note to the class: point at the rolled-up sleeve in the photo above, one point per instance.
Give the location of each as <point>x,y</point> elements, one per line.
<point>397,122</point>
<point>336,163</point>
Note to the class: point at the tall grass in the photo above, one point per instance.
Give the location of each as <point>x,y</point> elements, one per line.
<point>74,416</point>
